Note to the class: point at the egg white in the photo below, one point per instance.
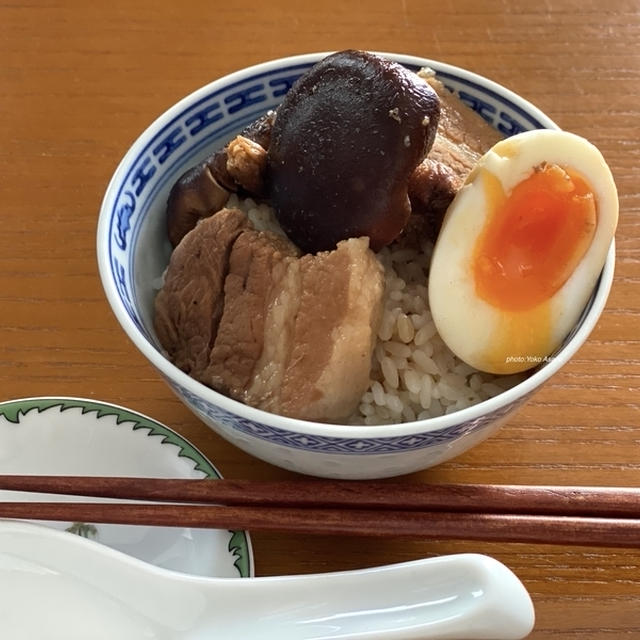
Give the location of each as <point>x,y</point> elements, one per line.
<point>469,325</point>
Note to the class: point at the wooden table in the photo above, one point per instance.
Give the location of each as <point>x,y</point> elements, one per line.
<point>78,84</point>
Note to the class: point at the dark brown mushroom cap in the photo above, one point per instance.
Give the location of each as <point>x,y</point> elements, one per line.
<point>205,188</point>
<point>346,139</point>
<point>195,195</point>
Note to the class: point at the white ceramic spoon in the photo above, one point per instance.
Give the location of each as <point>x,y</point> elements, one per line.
<point>56,585</point>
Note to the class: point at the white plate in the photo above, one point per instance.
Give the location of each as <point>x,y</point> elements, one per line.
<point>74,436</point>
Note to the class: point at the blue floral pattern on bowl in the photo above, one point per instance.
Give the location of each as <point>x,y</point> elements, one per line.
<point>332,444</point>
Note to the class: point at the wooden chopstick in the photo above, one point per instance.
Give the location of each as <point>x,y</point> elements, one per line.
<point>478,498</point>
<point>592,516</point>
<point>568,530</point>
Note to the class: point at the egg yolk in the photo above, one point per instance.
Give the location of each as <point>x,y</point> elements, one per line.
<point>534,237</point>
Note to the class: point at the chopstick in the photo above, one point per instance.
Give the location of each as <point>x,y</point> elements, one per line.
<point>592,516</point>
<point>532,499</point>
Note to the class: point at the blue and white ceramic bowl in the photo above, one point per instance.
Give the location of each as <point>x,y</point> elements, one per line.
<point>133,252</point>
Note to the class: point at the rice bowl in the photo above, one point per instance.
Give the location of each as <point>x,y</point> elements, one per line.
<point>133,253</point>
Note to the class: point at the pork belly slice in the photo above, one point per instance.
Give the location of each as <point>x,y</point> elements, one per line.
<point>334,332</point>
<point>189,306</point>
<point>462,138</point>
<point>241,312</point>
<point>297,334</point>
<point>281,311</point>
<point>463,135</point>
<point>257,262</point>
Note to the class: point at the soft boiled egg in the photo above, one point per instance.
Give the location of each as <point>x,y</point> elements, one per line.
<point>521,248</point>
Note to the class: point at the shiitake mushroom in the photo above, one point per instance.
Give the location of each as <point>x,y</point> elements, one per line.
<point>345,140</point>
<point>205,188</point>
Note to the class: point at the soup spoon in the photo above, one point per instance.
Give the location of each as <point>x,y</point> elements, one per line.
<point>54,584</point>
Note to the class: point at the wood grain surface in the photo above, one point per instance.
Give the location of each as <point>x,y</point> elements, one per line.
<point>79,81</point>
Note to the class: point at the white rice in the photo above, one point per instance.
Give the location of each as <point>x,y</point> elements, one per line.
<point>414,375</point>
